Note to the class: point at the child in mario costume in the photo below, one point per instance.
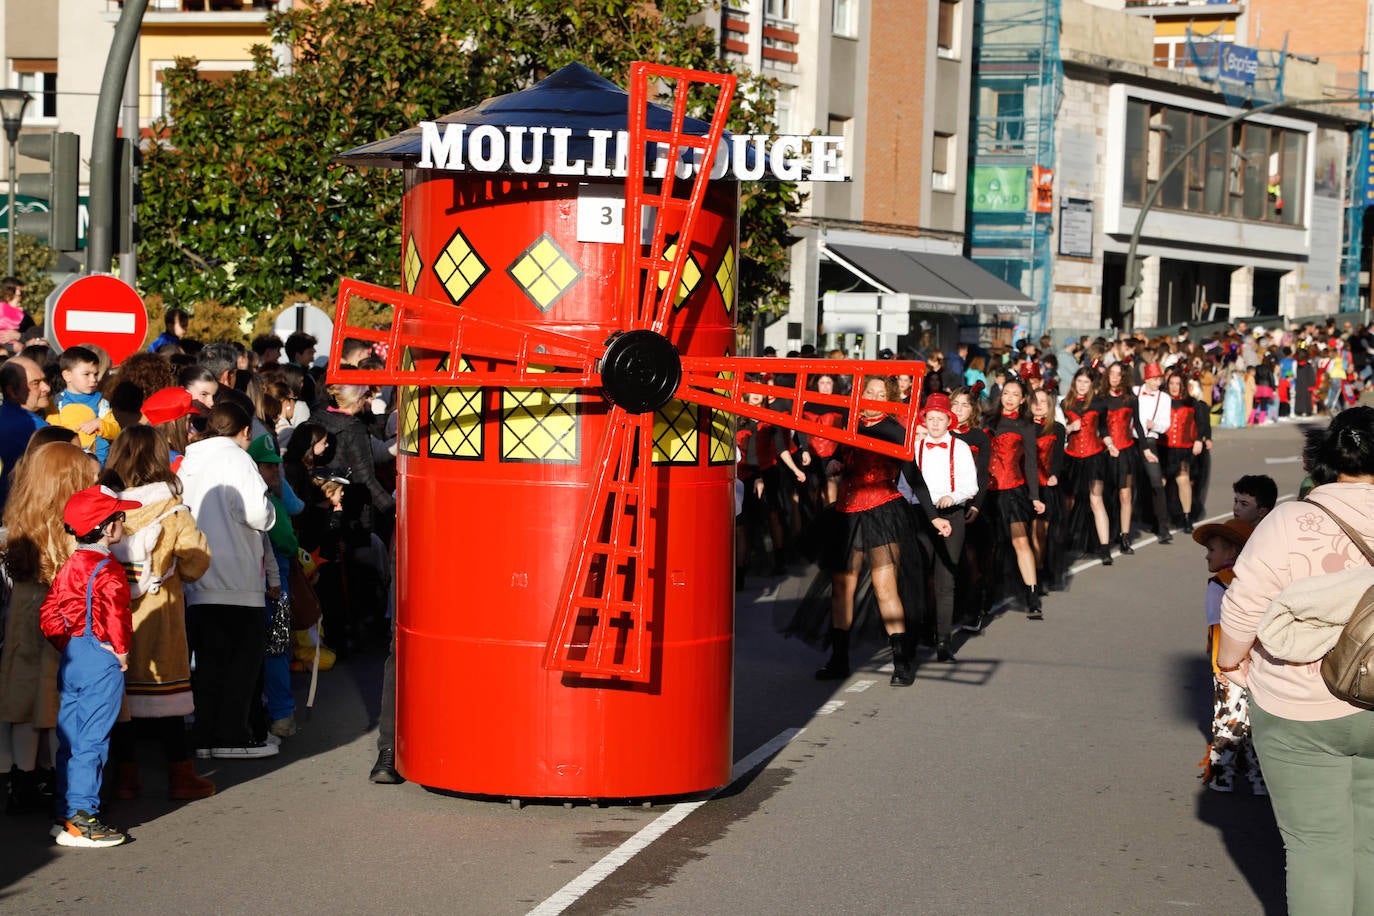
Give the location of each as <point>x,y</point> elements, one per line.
<point>86,616</point>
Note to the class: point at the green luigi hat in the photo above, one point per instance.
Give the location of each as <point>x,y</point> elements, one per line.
<point>263,450</point>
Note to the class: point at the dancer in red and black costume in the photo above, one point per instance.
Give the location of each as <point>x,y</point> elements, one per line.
<point>1085,468</point>
<point>1123,447</point>
<point>765,452</point>
<point>1154,412</point>
<point>873,524</point>
<point>1014,484</point>
<point>971,593</point>
<point>1047,531</point>
<point>1190,427</point>
<point>822,450</point>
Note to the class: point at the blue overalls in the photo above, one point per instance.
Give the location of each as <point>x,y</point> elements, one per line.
<point>92,690</point>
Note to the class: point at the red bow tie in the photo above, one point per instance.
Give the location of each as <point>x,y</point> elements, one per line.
<point>937,445</point>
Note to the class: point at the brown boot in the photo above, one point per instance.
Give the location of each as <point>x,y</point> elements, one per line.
<point>127,783</point>
<point>184,785</point>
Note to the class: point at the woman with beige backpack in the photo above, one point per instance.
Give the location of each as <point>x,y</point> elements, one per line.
<point>1317,751</point>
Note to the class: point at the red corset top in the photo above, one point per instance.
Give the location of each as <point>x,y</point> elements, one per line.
<point>1044,453</point>
<point>834,419</point>
<point>1005,468</point>
<point>1182,425</point>
<point>1120,426</point>
<point>1086,441</point>
<point>869,480</point>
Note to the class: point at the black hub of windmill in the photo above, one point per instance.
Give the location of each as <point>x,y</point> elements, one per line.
<point>640,371</point>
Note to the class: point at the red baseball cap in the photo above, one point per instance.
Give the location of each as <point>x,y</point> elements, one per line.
<point>88,509</point>
<point>167,405</point>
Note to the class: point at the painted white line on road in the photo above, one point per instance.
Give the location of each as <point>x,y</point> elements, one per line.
<point>578,887</point>
<point>1293,459</point>
<point>829,707</point>
<point>99,322</point>
<point>859,686</point>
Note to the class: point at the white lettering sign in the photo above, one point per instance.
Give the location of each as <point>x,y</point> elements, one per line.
<point>489,148</point>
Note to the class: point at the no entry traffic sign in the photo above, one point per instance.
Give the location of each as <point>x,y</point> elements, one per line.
<point>97,309</point>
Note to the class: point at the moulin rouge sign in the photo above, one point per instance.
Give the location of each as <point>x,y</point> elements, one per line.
<point>547,150</point>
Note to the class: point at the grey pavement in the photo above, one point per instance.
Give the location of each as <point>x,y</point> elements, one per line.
<point>1053,769</point>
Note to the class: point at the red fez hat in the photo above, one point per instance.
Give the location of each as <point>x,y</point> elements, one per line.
<point>167,405</point>
<point>88,509</point>
<point>939,402</point>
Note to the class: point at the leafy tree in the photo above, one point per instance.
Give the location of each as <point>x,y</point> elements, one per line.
<point>243,205</point>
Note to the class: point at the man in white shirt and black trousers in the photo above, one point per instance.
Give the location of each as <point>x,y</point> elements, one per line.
<point>942,480</point>
<point>1153,408</point>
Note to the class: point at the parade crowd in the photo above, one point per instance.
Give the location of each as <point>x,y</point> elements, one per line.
<point>174,525</point>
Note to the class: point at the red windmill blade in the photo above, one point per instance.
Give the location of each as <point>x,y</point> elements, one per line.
<point>601,626</point>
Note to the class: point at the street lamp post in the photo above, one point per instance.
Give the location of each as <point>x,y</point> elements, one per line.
<point>13,102</point>
<point>1130,292</point>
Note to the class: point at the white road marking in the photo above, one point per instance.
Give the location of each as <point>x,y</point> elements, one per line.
<point>578,887</point>
<point>829,707</point>
<point>99,322</point>
<point>1292,459</point>
<point>859,686</point>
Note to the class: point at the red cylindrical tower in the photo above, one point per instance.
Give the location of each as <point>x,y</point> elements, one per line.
<point>493,484</point>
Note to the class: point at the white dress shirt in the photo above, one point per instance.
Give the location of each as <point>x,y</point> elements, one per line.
<point>935,458</point>
<point>1154,408</point>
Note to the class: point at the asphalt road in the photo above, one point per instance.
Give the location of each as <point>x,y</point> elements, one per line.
<point>1053,769</point>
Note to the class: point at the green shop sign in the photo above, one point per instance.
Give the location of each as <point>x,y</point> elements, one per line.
<point>1000,189</point>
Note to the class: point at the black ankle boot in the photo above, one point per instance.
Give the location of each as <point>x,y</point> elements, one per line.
<point>1033,609</point>
<point>903,662</point>
<point>1124,542</point>
<point>1041,588</point>
<point>1104,553</point>
<point>1187,524</point>
<point>837,669</point>
<point>944,650</point>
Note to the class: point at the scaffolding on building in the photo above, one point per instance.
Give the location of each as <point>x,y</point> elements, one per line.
<point>1244,76</point>
<point>1018,84</point>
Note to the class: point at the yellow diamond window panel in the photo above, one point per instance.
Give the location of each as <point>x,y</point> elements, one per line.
<point>675,433</point>
<point>408,420</point>
<point>722,432</point>
<point>459,267</point>
<point>691,276</point>
<point>538,424</point>
<point>411,265</point>
<point>455,423</point>
<point>544,272</point>
<point>725,280</point>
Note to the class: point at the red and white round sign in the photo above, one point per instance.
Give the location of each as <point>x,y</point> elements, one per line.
<point>98,309</point>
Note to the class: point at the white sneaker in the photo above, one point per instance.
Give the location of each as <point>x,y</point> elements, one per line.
<point>246,752</point>
<point>273,740</point>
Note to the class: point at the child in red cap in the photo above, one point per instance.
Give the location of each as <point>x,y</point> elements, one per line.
<point>86,617</point>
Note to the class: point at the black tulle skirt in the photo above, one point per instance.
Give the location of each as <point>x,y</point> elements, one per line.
<point>1125,469</point>
<point>1176,458</point>
<point>1054,563</point>
<point>1006,507</point>
<point>1079,474</point>
<point>885,533</point>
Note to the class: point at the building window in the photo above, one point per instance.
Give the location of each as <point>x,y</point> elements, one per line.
<point>836,126</point>
<point>783,109</point>
<point>947,29</point>
<point>1252,172</point>
<point>943,162</point>
<point>844,18</point>
<point>778,9</point>
<point>39,79</point>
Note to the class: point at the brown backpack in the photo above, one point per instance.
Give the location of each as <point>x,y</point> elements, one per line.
<point>1348,669</point>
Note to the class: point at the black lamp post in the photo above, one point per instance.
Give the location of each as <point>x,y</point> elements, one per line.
<point>13,102</point>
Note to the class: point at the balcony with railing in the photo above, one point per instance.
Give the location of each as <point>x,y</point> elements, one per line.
<point>164,7</point>
<point>1183,7</point>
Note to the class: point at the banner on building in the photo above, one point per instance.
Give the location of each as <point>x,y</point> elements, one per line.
<point>1075,227</point>
<point>1042,189</point>
<point>1238,64</point>
<point>1000,188</point>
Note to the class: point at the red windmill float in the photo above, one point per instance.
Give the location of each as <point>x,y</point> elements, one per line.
<point>565,627</point>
